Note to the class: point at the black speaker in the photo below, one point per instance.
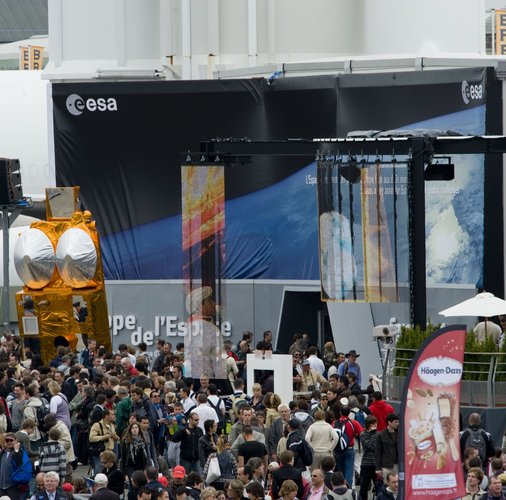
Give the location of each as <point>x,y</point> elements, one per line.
<point>10,182</point>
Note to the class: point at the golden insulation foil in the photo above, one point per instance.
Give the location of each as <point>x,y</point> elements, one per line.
<point>52,305</point>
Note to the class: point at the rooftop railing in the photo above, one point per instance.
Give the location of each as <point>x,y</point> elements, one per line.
<point>483,381</point>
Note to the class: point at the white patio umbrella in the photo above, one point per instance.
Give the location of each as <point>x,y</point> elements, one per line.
<point>484,304</point>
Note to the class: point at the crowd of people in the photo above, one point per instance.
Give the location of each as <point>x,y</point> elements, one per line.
<point>143,430</point>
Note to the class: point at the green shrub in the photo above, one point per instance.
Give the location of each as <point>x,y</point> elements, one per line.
<point>476,367</point>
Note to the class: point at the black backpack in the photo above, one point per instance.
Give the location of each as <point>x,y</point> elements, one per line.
<point>42,411</point>
<point>476,439</point>
<point>221,417</point>
<point>307,453</point>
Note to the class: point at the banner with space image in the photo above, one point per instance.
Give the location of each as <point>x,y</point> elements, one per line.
<point>361,235</point>
<point>429,453</point>
<point>203,224</point>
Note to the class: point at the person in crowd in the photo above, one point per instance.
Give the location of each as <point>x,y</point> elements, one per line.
<point>391,486</point>
<point>227,462</point>
<point>301,412</point>
<point>276,430</point>
<point>101,491</point>
<point>380,409</point>
<point>251,448</point>
<point>149,440</point>
<point>474,479</point>
<point>115,476</point>
<point>266,343</point>
<point>368,463</point>
<point>257,401</point>
<point>235,490</point>
<point>477,437</point>
<point>18,406</point>
<point>350,365</point>
<point>353,386</point>
<point>65,440</point>
<point>11,455</point>
<point>345,459</point>
<point>257,464</point>
<point>59,404</point>
<point>288,490</point>
<point>208,442</point>
<point>315,363</point>
<point>103,432</point>
<point>52,454</point>
<point>189,439</point>
<point>387,446</point>
<point>255,491</point>
<point>134,454</point>
<point>295,443</point>
<point>51,488</point>
<point>494,489</point>
<point>204,411</point>
<point>23,436</point>
<point>143,493</point>
<point>286,472</point>
<point>321,405</point>
<point>236,436</point>
<point>271,403</point>
<point>321,437</point>
<point>318,490</point>
<point>194,485</point>
<point>310,379</point>
<point>329,355</point>
<point>178,480</point>
<point>339,487</point>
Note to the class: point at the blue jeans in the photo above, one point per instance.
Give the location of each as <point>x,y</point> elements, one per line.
<point>191,466</point>
<point>345,463</point>
<point>96,464</point>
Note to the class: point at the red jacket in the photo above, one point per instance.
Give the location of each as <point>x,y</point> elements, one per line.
<point>352,428</point>
<point>381,409</point>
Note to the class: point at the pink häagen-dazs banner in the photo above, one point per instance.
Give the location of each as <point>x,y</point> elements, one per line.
<point>430,417</point>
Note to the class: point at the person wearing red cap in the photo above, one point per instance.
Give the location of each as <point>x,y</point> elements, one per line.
<point>178,476</point>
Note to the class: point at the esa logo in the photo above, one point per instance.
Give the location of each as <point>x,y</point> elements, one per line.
<point>471,92</point>
<point>76,105</point>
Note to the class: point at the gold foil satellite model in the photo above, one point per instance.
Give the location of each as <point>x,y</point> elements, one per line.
<point>60,263</point>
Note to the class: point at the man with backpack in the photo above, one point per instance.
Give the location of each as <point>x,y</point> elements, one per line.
<point>217,404</point>
<point>35,410</point>
<point>476,437</point>
<point>15,468</point>
<point>344,452</point>
<point>298,445</point>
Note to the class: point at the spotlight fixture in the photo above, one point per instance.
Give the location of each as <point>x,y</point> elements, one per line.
<point>440,169</point>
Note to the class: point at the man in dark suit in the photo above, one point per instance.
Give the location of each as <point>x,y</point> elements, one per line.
<point>287,471</point>
<point>100,489</point>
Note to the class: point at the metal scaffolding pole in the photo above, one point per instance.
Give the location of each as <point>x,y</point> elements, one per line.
<point>7,221</point>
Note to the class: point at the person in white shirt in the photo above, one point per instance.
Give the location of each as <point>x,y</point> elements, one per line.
<point>187,402</point>
<point>315,362</point>
<point>204,411</point>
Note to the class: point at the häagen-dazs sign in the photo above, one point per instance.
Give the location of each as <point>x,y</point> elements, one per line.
<point>440,371</point>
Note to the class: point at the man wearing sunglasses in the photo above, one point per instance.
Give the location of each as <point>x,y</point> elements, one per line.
<point>11,455</point>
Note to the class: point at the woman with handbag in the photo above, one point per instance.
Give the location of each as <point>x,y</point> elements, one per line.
<point>134,455</point>
<point>221,466</point>
<point>102,437</point>
<point>208,442</point>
